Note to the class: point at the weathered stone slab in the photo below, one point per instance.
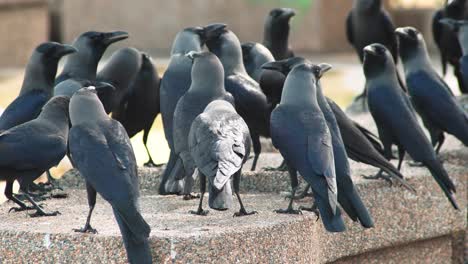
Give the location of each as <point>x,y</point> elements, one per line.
<point>400,217</point>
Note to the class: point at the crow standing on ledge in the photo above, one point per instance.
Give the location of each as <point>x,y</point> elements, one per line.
<point>141,104</point>
<point>29,149</point>
<point>395,119</point>
<point>207,85</point>
<point>301,134</point>
<point>219,142</point>
<point>174,83</point>
<point>250,101</point>
<point>431,96</point>
<point>102,153</point>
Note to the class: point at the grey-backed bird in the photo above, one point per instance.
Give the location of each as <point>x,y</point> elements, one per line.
<point>219,142</point>
<point>174,83</point>
<point>207,85</point>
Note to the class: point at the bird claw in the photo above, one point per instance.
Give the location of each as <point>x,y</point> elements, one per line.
<point>20,209</point>
<point>190,196</point>
<point>86,229</point>
<point>379,177</point>
<point>243,212</point>
<point>151,164</point>
<point>200,212</point>
<point>312,209</point>
<point>288,211</point>
<point>40,213</point>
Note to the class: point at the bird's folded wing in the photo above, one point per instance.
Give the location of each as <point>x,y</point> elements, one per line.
<point>27,147</point>
<point>23,109</point>
<point>107,168</point>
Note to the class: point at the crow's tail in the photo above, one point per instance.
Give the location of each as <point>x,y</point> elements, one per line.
<point>350,201</point>
<point>135,232</point>
<point>442,178</point>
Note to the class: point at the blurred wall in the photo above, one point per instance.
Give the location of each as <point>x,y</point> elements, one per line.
<point>152,24</point>
<point>23,25</point>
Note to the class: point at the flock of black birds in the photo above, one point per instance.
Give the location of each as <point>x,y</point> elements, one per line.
<point>216,104</point>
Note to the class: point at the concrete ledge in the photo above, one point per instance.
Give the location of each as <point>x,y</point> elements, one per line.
<point>401,218</point>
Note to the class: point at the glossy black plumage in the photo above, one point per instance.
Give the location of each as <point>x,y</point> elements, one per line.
<point>276,32</point>
<point>141,105</point>
<point>446,40</point>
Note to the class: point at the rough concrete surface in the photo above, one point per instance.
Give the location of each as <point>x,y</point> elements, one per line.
<point>400,218</point>
<point>406,224</point>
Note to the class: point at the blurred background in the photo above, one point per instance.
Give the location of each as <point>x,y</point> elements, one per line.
<point>317,32</point>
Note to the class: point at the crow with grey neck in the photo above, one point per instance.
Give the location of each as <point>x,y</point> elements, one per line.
<point>120,71</point>
<point>91,46</point>
<point>37,88</point>
<point>356,145</point>
<point>254,56</point>
<point>431,96</point>
<point>219,142</point>
<point>360,144</point>
<point>102,153</point>
<point>207,85</point>
<point>460,28</point>
<point>141,106</point>
<point>37,85</point>
<point>395,119</point>
<point>367,23</point>
<point>446,40</point>
<point>300,132</point>
<point>174,83</point>
<point>276,32</point>
<point>31,148</point>
<point>250,101</point>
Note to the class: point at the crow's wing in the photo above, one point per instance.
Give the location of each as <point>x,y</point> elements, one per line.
<point>108,167</point>
<point>31,146</point>
<point>301,133</point>
<point>23,109</point>
<point>218,146</point>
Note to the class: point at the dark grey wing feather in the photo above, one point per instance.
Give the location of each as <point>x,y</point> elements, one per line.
<point>23,109</point>
<point>20,145</point>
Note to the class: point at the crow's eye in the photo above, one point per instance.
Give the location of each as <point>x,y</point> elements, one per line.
<point>380,50</point>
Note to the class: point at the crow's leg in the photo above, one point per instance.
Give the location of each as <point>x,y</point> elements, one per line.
<point>10,196</point>
<point>294,185</point>
<point>257,147</point>
<point>242,211</point>
<point>381,175</point>
<point>200,210</point>
<point>91,202</point>
<point>314,209</point>
<point>150,162</point>
<point>303,194</point>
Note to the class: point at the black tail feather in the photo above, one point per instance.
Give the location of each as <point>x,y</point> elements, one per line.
<point>443,179</point>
